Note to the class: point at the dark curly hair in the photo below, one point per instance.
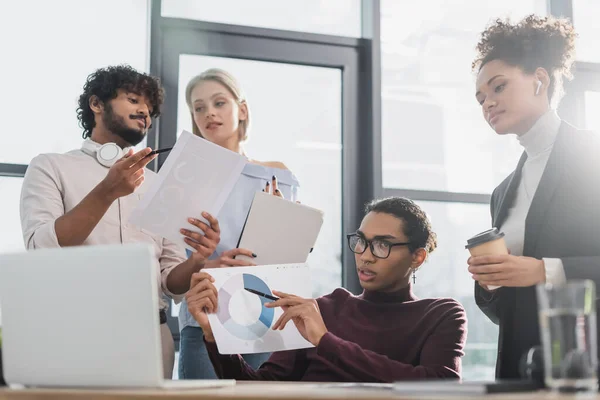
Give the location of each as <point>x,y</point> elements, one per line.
<point>104,84</point>
<point>416,224</point>
<point>534,42</point>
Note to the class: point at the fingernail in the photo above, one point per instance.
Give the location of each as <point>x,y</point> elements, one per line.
<point>276,190</point>
<point>191,220</point>
<point>253,255</point>
<point>267,183</point>
<point>204,214</point>
<point>263,190</point>
<point>182,231</point>
<point>274,177</point>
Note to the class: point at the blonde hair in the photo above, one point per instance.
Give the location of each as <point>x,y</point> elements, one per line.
<point>227,80</point>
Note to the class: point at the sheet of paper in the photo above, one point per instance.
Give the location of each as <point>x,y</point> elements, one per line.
<point>197,176</point>
<point>242,323</point>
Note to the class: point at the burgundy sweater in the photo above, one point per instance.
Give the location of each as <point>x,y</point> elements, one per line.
<point>374,337</point>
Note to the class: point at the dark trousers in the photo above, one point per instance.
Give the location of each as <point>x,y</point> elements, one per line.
<point>194,362</point>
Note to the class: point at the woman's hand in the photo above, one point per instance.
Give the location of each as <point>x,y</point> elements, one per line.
<point>273,188</point>
<point>203,244</point>
<point>227,259</point>
<point>507,270</point>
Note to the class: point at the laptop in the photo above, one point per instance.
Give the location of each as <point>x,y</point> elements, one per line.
<point>84,317</point>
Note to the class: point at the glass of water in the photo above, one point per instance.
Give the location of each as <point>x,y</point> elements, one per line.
<point>567,315</point>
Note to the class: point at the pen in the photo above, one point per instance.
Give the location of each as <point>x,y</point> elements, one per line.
<point>159,151</point>
<point>266,296</point>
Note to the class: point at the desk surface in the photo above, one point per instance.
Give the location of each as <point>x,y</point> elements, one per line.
<point>252,391</point>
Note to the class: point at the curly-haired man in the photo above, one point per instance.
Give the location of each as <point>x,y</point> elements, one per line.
<point>85,196</point>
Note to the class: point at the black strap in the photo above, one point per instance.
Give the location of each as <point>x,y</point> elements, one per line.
<point>162,315</point>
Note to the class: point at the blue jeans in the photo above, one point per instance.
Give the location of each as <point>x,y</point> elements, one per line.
<point>194,362</point>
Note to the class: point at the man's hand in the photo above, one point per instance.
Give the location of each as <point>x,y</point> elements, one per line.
<point>227,259</point>
<point>127,174</point>
<point>202,299</point>
<point>75,226</point>
<point>204,244</point>
<point>304,313</point>
<point>507,270</point>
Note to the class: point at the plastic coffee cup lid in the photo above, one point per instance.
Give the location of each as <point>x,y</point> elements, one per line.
<point>484,237</point>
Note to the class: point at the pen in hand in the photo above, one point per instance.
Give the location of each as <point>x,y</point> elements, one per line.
<point>258,293</point>
<point>159,151</point>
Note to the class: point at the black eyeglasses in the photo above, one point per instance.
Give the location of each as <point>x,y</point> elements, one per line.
<point>379,248</point>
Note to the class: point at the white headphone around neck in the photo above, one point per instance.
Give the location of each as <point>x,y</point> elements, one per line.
<point>106,154</point>
<point>539,86</point>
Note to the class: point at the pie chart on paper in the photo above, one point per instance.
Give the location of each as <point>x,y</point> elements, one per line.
<point>242,324</point>
<point>244,314</point>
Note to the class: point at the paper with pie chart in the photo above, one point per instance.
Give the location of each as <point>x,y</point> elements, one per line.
<point>197,176</point>
<point>242,323</point>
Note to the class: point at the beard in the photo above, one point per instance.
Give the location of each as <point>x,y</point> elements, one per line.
<point>117,125</point>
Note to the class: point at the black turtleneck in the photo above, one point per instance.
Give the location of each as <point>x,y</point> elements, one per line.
<point>374,337</point>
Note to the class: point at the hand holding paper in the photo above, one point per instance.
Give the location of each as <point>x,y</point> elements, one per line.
<point>227,259</point>
<point>204,244</point>
<point>239,320</point>
<point>202,299</point>
<point>197,176</point>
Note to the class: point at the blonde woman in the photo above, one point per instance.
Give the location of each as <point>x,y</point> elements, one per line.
<point>220,114</point>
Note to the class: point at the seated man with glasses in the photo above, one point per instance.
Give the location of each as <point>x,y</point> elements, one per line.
<point>385,334</point>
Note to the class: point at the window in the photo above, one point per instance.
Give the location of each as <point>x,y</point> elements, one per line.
<point>585,14</point>
<point>51,47</point>
<point>454,223</point>
<point>11,238</point>
<point>433,134</point>
<point>331,17</point>
<point>592,105</point>
<point>435,141</point>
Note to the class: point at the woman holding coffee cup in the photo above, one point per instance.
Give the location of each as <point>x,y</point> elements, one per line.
<point>547,208</point>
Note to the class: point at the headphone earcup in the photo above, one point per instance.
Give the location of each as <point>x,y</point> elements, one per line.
<point>108,154</point>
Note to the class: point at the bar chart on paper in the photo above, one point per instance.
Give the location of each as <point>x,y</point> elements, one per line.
<point>242,323</point>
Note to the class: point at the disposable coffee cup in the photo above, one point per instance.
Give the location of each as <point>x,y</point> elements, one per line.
<point>488,243</point>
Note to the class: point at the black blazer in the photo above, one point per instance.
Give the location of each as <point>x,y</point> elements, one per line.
<point>563,222</point>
